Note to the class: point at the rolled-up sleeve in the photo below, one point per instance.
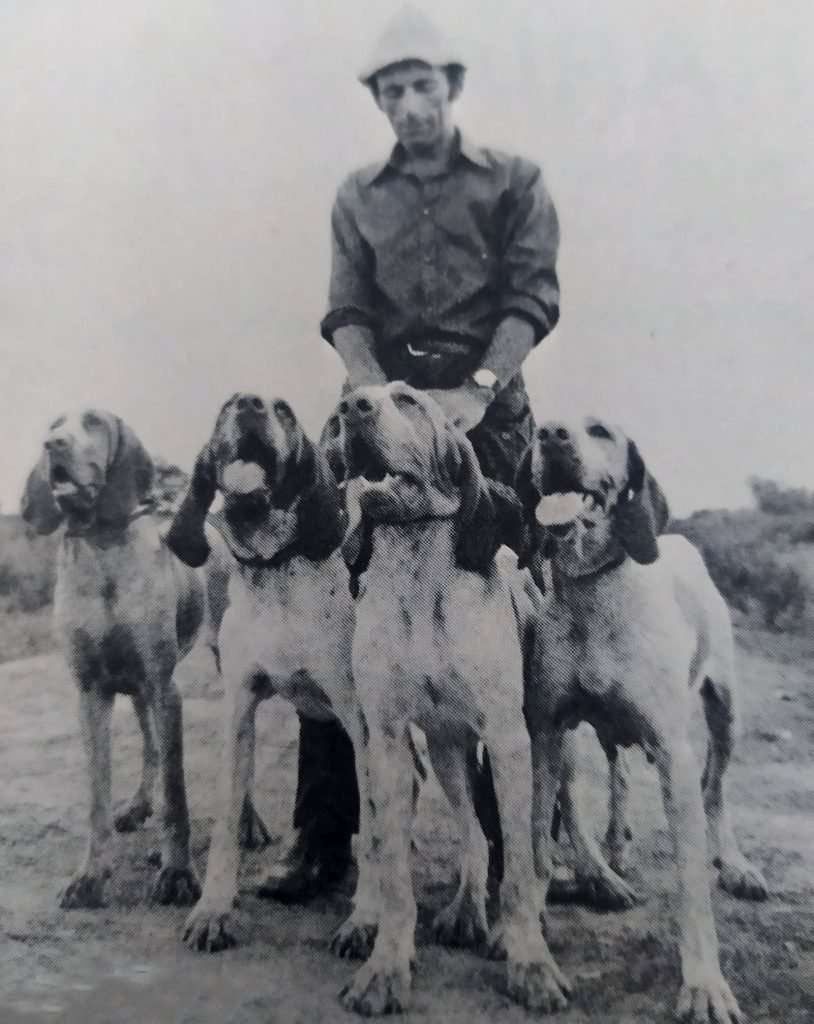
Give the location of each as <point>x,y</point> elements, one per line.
<point>349,298</point>
<point>529,286</point>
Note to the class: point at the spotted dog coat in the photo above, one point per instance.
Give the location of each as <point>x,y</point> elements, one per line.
<point>441,631</point>
<point>126,613</point>
<point>288,625</point>
<point>631,629</point>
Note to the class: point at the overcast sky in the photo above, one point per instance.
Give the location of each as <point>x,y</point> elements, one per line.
<point>167,172</point>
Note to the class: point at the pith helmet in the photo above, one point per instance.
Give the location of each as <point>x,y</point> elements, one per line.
<point>409,36</point>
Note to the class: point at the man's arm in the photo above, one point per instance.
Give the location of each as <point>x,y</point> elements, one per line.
<point>350,322</point>
<point>529,298</point>
<point>357,347</point>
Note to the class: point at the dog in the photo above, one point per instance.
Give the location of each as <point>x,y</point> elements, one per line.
<point>440,635</point>
<point>126,613</point>
<point>288,626</point>
<point>632,628</point>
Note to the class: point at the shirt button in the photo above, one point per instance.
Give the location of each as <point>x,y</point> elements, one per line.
<point>428,258</point>
<point>426,211</point>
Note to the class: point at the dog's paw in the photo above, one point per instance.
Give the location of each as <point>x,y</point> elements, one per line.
<point>708,1003</point>
<point>354,939</point>
<point>462,924</point>
<point>377,990</point>
<point>131,815</point>
<point>253,834</point>
<point>177,886</point>
<point>85,891</point>
<point>742,880</point>
<point>608,891</point>
<point>540,986</point>
<point>208,930</point>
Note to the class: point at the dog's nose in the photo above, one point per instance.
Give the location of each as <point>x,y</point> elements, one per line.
<point>357,407</point>
<point>251,403</point>
<point>554,434</point>
<point>56,443</point>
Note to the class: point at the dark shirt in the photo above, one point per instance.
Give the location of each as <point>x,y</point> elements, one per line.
<point>445,259</point>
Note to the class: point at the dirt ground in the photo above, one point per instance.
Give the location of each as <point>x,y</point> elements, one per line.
<point>126,964</point>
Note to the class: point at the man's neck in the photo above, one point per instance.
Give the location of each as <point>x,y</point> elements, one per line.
<point>428,161</point>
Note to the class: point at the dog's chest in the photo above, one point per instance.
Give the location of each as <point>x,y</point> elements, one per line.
<point>115,611</point>
<point>442,656</point>
<point>292,627</point>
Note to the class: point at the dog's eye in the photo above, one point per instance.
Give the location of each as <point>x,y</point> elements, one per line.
<point>404,398</point>
<point>90,420</point>
<point>597,430</point>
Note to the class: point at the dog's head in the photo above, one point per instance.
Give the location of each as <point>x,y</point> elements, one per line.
<point>588,496</point>
<point>93,471</point>
<point>276,487</point>
<point>405,462</point>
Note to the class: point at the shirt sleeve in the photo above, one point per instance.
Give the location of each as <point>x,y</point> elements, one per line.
<point>351,286</point>
<point>529,286</point>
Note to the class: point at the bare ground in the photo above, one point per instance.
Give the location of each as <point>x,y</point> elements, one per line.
<point>126,963</point>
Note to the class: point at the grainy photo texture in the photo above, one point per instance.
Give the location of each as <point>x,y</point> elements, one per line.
<point>406,524</point>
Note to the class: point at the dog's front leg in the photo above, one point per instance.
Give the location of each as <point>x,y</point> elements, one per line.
<point>355,937</point>
<point>382,984</point>
<point>705,995</point>
<point>135,811</point>
<point>210,927</point>
<point>86,888</point>
<point>176,882</point>
<point>533,977</point>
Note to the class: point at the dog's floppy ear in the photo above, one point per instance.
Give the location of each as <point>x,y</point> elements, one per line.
<point>534,535</point>
<point>332,442</point>
<point>186,537</point>
<point>320,517</point>
<point>642,512</point>
<point>129,476</point>
<point>478,520</point>
<point>38,506</point>
<point>357,550</point>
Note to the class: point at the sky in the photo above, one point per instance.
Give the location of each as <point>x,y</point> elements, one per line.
<point>167,173</point>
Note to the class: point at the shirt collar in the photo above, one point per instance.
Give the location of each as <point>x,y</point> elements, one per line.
<point>461,148</point>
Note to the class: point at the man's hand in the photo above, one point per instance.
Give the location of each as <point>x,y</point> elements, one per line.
<point>464,405</point>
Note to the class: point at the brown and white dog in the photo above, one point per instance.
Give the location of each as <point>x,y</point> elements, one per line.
<point>288,626</point>
<point>632,628</point>
<point>440,641</point>
<point>126,613</point>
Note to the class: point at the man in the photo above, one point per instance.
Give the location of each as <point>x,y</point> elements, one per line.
<point>443,276</point>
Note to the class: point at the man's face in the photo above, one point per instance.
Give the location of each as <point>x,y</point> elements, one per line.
<point>416,99</point>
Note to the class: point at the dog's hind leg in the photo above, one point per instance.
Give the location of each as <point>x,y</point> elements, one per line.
<point>86,888</point>
<point>253,832</point>
<point>736,875</point>
<point>135,811</point>
<point>463,921</point>
<point>603,887</point>
<point>619,833</point>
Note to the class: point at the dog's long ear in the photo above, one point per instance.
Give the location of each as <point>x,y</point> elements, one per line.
<point>642,513</point>
<point>534,536</point>
<point>320,517</point>
<point>129,476</point>
<point>332,442</point>
<point>38,507</point>
<point>357,549</point>
<point>186,537</point>
<point>478,520</point>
